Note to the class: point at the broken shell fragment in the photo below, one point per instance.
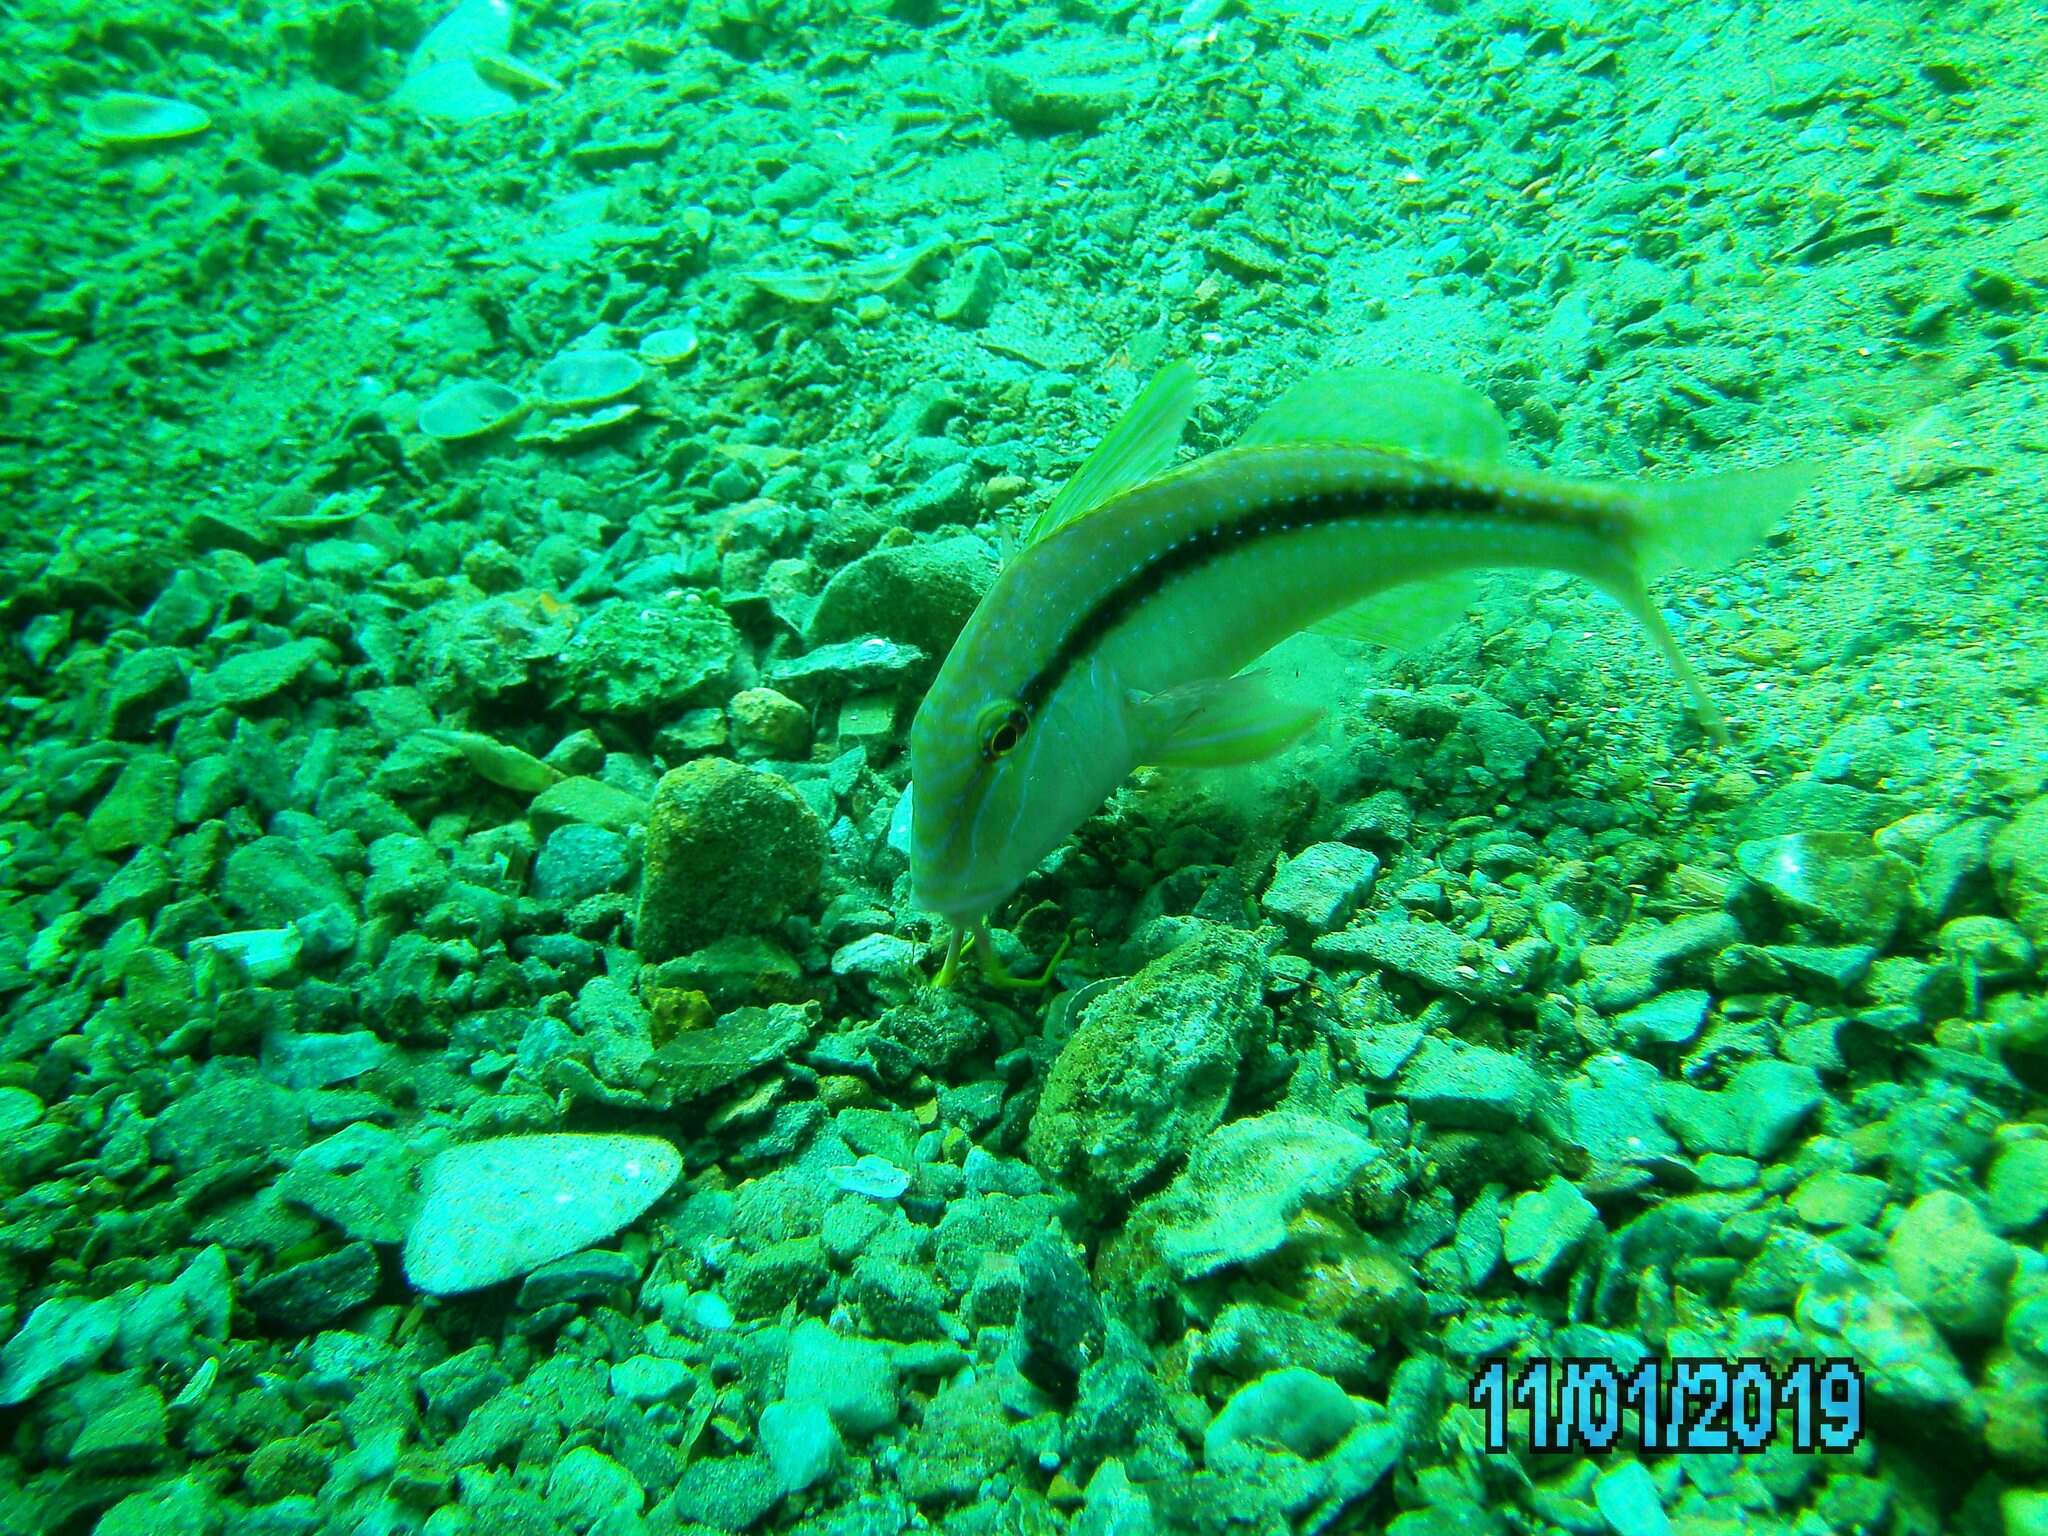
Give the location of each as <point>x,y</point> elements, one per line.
<point>125,119</point>
<point>576,381</point>
<point>473,408</point>
<point>668,346</point>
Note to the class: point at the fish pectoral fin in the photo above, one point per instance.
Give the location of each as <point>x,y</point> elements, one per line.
<point>1217,722</point>
<point>1406,616</point>
<point>1416,413</point>
<point>1139,446</point>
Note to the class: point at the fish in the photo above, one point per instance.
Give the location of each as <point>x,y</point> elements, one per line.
<point>1358,504</point>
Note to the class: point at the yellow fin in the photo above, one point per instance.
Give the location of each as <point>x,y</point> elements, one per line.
<point>1218,722</point>
<point>1702,525</point>
<point>1416,413</point>
<point>1405,616</point>
<point>1139,446</point>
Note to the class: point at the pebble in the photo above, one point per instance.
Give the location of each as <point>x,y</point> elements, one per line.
<point>587,1486</point>
<point>852,1379</point>
<point>1952,1265</point>
<point>1470,1087</point>
<point>1627,1499</point>
<point>62,1337</point>
<point>801,1443</point>
<point>498,1208</point>
<point>1545,1228</point>
<point>1318,889</point>
<point>647,1379</point>
<point>579,861</point>
<point>1851,890</point>
<point>2017,1187</point>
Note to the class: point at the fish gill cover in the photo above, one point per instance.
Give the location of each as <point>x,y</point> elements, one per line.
<point>488,489</point>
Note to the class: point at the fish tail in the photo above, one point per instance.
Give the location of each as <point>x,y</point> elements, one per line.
<point>1702,525</point>
<point>1705,524</point>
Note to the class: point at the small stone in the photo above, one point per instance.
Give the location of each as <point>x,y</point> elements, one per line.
<point>62,1337</point>
<point>919,595</point>
<point>1318,889</point>
<point>648,1379</point>
<point>184,1505</point>
<point>1763,1104</point>
<point>592,1274</point>
<point>800,1442</point>
<point>1611,1113</point>
<point>305,1298</point>
<point>1149,1068</point>
<point>359,1179</point>
<point>1952,1265</point>
<point>274,881</point>
<point>579,861</point>
<point>1470,1087</point>
<point>588,802</point>
<point>1292,1408</point>
<point>1670,1018</point>
<point>1546,1227</point>
<point>499,1208</point>
<point>1988,950</point>
<point>1622,975</point>
<point>871,666</point>
<point>254,676</point>
<point>1834,1198</point>
<point>727,1493</point>
<point>769,724</point>
<point>1841,882</point>
<point>138,811</point>
<point>852,1379</point>
<point>2017,1186</point>
<point>640,659</point>
<point>1627,1499</point>
<point>587,1487</point>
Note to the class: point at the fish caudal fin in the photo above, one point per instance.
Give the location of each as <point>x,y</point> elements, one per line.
<point>1702,525</point>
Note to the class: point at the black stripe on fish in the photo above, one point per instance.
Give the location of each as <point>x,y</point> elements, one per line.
<point>1274,519</point>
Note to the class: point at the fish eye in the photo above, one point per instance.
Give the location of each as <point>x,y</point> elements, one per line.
<point>1001,727</point>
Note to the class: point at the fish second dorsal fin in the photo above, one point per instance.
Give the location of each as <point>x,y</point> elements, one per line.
<point>1418,413</point>
<point>1139,446</point>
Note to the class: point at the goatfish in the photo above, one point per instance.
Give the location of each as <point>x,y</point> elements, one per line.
<point>1358,504</point>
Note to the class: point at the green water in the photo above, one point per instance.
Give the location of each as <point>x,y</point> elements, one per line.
<point>486,491</point>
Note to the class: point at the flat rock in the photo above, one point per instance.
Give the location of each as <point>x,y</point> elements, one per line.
<point>499,1208</point>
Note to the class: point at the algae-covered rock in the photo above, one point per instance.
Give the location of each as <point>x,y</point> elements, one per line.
<point>2019,866</point>
<point>639,659</point>
<point>1150,1067</point>
<point>917,594</point>
<point>1068,85</point>
<point>729,850</point>
<point>1840,882</point>
<point>1952,1265</point>
<point>1245,1184</point>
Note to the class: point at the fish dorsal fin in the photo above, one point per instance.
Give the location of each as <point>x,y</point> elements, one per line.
<point>1418,413</point>
<point>1139,446</point>
<point>1405,616</point>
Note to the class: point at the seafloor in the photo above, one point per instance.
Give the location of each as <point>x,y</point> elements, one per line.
<point>481,509</point>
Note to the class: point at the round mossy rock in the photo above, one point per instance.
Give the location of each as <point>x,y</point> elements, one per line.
<point>730,850</point>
